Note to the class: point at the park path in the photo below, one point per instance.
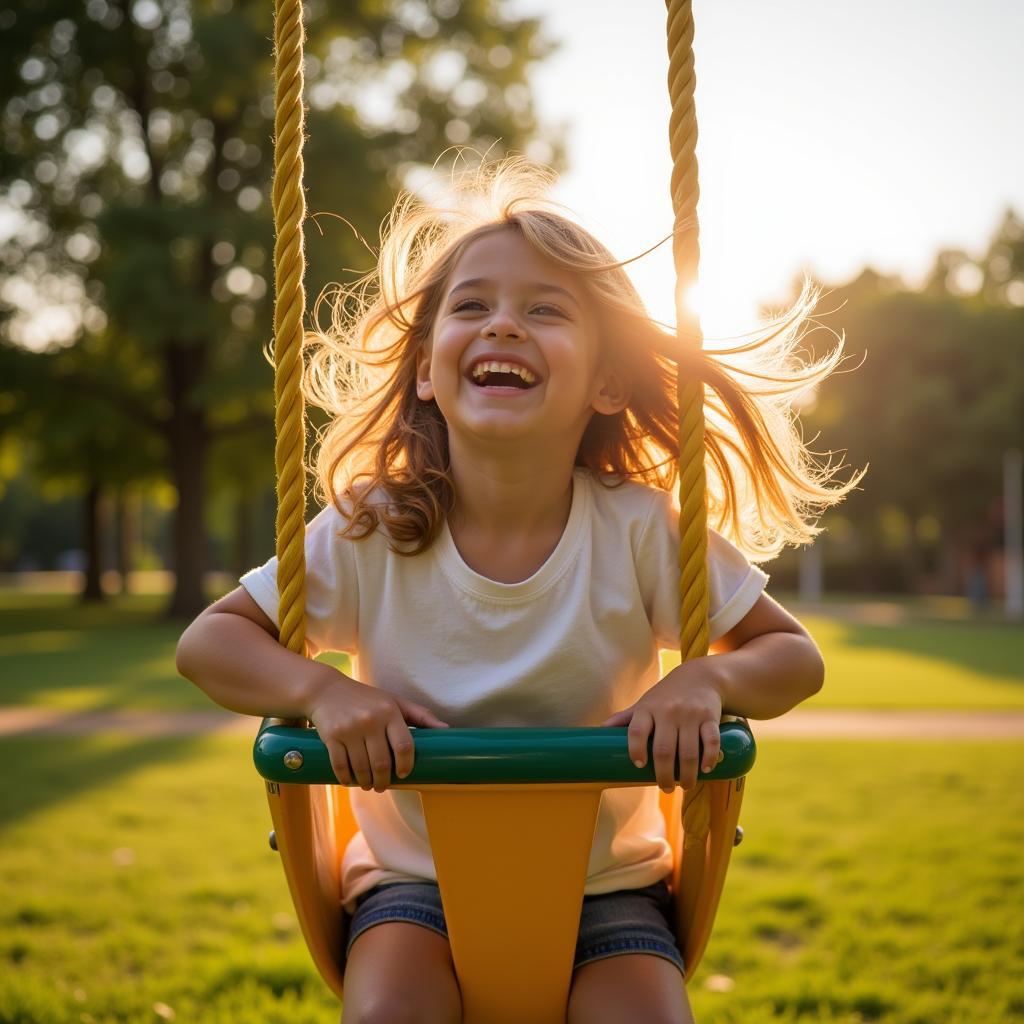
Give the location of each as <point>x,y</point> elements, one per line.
<point>803,723</point>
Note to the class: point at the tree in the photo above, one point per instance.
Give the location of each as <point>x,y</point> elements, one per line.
<point>137,155</point>
<point>1003,265</point>
<point>937,396</point>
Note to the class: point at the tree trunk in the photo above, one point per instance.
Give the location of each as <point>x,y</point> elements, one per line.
<point>243,534</point>
<point>811,575</point>
<point>125,536</point>
<point>913,556</point>
<point>185,369</point>
<point>189,442</point>
<point>949,567</point>
<point>92,540</point>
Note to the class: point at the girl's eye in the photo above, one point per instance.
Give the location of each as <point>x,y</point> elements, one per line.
<point>545,310</point>
<point>464,304</point>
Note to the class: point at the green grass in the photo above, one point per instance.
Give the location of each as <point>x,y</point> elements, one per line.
<point>55,654</point>
<point>888,888</point>
<point>876,883</point>
<point>936,664</point>
<point>136,874</point>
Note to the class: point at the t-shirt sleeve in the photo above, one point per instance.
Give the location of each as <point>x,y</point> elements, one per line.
<point>332,590</point>
<point>734,585</point>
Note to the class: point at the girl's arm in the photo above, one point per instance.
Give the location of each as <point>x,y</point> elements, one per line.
<point>765,665</point>
<point>231,653</point>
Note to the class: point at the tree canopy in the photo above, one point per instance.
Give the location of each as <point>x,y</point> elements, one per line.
<point>933,398</point>
<point>137,160</point>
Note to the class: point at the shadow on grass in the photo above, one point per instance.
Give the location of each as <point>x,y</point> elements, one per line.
<point>56,652</point>
<point>49,770</point>
<point>992,649</point>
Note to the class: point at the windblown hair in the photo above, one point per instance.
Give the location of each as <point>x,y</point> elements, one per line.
<point>765,489</point>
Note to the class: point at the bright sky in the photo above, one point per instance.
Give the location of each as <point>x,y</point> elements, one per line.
<point>831,135</point>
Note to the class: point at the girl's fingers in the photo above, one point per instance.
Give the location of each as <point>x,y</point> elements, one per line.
<point>664,748</point>
<point>339,762</point>
<point>401,743</point>
<point>688,751</point>
<point>360,762</point>
<point>417,714</point>
<point>378,751</point>
<point>666,741</point>
<point>619,719</point>
<point>639,731</point>
<point>711,738</point>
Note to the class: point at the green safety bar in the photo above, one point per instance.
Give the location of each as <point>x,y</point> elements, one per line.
<point>284,753</point>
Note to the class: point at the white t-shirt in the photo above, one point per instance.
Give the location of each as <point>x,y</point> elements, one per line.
<point>571,645</point>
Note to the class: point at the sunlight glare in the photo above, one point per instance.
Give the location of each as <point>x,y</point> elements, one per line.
<point>725,313</point>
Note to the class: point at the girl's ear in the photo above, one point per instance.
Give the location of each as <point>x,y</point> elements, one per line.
<point>614,393</point>
<point>424,386</point>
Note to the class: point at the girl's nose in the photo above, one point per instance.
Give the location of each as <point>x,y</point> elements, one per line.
<point>502,325</point>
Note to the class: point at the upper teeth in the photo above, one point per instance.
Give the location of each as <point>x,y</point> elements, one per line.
<point>493,367</point>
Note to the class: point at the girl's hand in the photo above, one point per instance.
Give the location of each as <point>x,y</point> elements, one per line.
<point>358,722</point>
<point>684,709</point>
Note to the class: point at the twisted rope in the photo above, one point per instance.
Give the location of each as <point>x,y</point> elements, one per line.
<point>693,539</point>
<point>289,305</point>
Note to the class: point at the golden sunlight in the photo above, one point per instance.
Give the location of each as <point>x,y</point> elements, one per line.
<point>725,312</point>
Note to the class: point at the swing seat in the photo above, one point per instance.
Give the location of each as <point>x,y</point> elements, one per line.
<point>495,800</point>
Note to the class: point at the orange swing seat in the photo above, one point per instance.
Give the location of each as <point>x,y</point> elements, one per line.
<point>525,842</point>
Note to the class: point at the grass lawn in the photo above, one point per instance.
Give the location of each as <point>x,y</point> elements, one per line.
<point>958,664</point>
<point>54,654</point>
<point>876,883</point>
<point>57,654</point>
<point>917,662</point>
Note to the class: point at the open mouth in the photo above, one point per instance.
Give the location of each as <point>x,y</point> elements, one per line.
<point>492,374</point>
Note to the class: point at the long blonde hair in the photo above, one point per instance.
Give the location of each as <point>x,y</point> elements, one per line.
<point>383,456</point>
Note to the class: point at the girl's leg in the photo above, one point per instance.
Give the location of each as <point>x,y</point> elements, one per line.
<point>634,988</point>
<point>400,973</point>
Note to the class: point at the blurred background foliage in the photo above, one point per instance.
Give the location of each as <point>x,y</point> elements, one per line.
<point>135,173</point>
<point>932,400</point>
<point>136,167</point>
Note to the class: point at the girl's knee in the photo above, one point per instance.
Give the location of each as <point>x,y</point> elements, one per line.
<point>399,973</point>
<point>398,1008</point>
<point>640,989</point>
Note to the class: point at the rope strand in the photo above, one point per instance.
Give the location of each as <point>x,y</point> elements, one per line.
<point>693,635</point>
<point>289,306</point>
<point>693,536</point>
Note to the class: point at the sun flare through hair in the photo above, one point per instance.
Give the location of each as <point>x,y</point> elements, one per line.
<point>383,460</point>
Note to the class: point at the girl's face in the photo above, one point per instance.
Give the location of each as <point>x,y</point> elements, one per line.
<point>514,351</point>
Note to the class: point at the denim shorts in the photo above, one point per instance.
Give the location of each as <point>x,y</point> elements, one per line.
<point>611,924</point>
